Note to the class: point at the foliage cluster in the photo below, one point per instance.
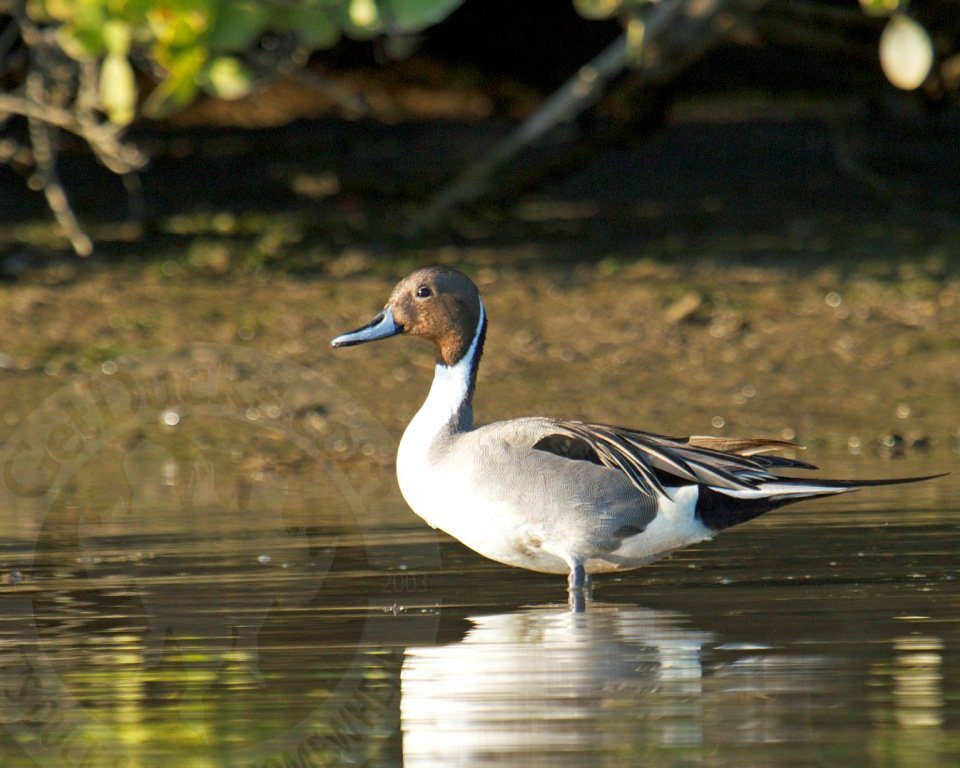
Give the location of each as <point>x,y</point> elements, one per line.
<point>192,45</point>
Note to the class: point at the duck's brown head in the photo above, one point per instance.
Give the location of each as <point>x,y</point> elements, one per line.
<point>439,304</point>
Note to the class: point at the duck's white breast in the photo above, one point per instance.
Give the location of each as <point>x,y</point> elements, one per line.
<point>448,496</point>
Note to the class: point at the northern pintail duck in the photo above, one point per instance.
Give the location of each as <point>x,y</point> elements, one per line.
<point>558,496</point>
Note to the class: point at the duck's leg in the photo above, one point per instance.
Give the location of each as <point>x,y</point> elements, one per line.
<point>577,577</point>
<point>577,601</point>
<point>578,587</point>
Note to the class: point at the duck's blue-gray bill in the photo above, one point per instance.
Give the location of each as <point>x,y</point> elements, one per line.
<point>382,326</point>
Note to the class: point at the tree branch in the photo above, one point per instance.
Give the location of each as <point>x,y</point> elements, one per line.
<point>676,32</point>
<point>43,139</point>
<point>578,93</point>
<point>102,138</point>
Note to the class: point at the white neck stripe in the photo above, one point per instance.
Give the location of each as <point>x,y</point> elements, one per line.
<point>450,388</point>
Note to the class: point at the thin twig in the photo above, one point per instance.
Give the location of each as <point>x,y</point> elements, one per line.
<point>578,93</point>
<point>14,153</point>
<point>102,138</point>
<point>685,28</point>
<point>343,97</point>
<point>59,94</point>
<point>88,86</point>
<point>85,105</point>
<point>43,139</point>
<point>271,68</point>
<point>136,205</point>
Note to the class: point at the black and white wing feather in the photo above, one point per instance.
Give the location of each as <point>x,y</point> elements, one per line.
<point>739,467</point>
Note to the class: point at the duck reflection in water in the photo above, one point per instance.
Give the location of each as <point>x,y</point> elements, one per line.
<point>544,686</point>
<point>537,681</point>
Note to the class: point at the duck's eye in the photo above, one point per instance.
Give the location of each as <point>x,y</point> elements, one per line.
<point>423,292</point>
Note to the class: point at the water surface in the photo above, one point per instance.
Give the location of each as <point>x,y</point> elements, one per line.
<point>179,630</point>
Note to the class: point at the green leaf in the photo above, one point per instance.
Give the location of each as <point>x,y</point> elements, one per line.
<point>174,27</point>
<point>314,26</point>
<point>880,7</point>
<point>116,37</point>
<point>236,25</point>
<point>597,9</point>
<point>363,14</point>
<point>181,84</point>
<point>134,11</point>
<point>45,10</point>
<point>81,45</point>
<point>118,89</point>
<point>228,78</point>
<point>636,35</point>
<point>89,18</point>
<point>414,15</point>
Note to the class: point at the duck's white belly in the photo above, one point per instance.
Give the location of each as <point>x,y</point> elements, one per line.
<point>449,498</point>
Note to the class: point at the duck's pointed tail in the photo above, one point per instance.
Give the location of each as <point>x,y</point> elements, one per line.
<point>720,508</point>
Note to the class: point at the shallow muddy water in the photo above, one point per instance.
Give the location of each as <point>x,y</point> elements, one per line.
<point>152,618</point>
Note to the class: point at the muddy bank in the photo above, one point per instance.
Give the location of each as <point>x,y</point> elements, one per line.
<point>822,356</point>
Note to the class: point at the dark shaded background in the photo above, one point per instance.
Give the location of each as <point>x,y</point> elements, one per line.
<point>765,127</point>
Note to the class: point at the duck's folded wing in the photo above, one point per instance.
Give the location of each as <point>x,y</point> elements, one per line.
<point>654,461</point>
